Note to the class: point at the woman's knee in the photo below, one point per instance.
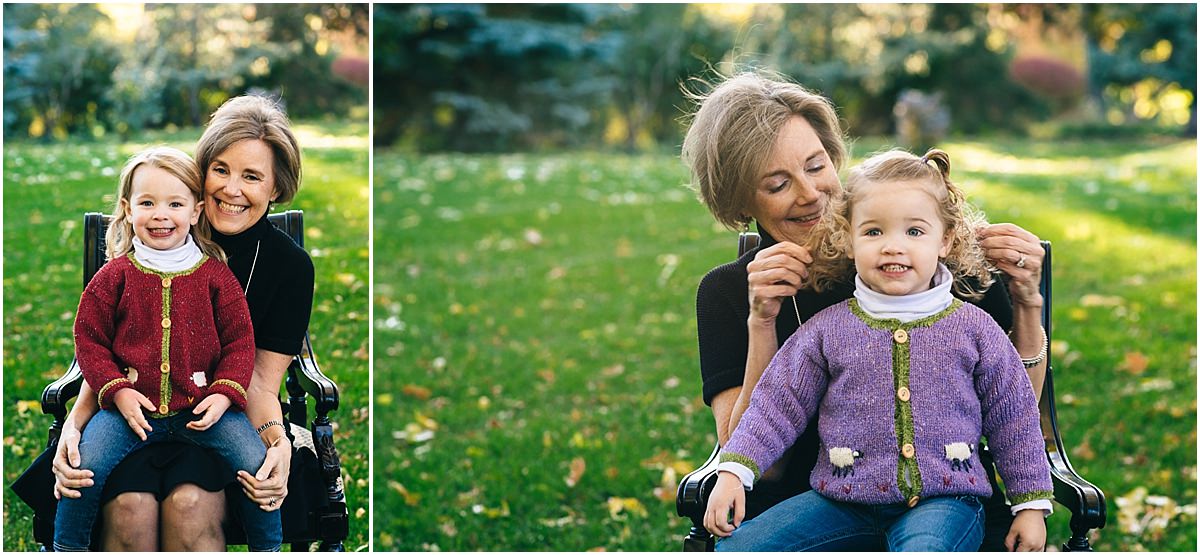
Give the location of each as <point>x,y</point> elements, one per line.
<point>192,518</point>
<point>130,523</point>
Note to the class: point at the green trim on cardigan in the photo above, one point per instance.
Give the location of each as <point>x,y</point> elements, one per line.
<point>908,473</point>
<point>1031,496</point>
<point>742,460</point>
<point>164,383</point>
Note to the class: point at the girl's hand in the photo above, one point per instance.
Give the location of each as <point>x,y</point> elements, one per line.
<point>212,407</point>
<point>68,477</point>
<point>130,403</point>
<point>1028,531</point>
<point>727,494</point>
<point>1017,253</point>
<point>268,486</point>
<point>773,275</point>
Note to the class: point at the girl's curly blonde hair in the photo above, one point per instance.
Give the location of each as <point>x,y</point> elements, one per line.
<point>831,240</point>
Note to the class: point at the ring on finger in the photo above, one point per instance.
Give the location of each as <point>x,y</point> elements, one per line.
<point>1021,262</point>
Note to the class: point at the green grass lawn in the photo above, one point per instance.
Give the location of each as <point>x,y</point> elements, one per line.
<point>536,375</point>
<point>47,188</point>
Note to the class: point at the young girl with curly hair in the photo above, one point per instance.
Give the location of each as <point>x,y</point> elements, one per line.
<point>906,380</point>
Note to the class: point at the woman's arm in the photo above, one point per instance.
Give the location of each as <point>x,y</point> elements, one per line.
<point>68,477</point>
<point>268,486</point>
<point>1018,253</point>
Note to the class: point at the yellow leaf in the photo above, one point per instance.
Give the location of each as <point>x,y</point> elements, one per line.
<point>416,391</point>
<point>578,467</point>
<point>384,399</point>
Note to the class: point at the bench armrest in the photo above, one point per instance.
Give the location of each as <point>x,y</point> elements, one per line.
<point>313,381</point>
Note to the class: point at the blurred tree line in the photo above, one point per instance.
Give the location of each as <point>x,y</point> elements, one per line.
<point>512,77</point>
<point>77,69</point>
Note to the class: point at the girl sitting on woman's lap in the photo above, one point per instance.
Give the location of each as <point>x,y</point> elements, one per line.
<point>163,334</point>
<point>905,378</point>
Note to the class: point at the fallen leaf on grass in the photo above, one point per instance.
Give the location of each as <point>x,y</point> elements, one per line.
<point>626,505</point>
<point>410,499</point>
<point>416,391</point>
<point>1148,516</point>
<point>578,467</point>
<point>1134,363</point>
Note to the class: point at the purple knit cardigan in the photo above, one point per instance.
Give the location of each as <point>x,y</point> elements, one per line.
<point>900,406</point>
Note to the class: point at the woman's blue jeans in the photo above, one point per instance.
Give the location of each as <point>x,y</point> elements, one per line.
<point>107,440</point>
<point>812,522</point>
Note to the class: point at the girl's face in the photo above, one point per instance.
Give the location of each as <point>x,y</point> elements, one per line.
<point>161,208</point>
<point>239,186</point>
<point>897,237</point>
<point>794,186</point>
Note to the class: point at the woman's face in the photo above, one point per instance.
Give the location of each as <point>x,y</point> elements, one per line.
<point>794,185</point>
<point>239,186</point>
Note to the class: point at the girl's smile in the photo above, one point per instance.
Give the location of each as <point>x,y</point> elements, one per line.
<point>160,207</point>
<point>898,238</point>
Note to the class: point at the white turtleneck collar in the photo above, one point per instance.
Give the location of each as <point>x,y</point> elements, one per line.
<point>177,259</point>
<point>906,308</point>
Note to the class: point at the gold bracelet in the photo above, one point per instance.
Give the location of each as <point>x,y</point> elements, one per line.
<point>1041,356</point>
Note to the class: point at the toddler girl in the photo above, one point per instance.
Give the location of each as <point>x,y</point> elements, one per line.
<point>163,335</point>
<point>906,380</point>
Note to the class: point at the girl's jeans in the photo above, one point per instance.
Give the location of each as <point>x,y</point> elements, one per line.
<point>107,440</point>
<point>811,522</point>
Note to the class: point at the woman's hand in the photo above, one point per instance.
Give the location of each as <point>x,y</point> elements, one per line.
<point>68,477</point>
<point>727,494</point>
<point>268,486</point>
<point>1017,253</point>
<point>1028,531</point>
<point>773,275</point>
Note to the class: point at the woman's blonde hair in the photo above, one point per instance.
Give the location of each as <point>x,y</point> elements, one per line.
<point>832,239</point>
<point>254,117</point>
<point>733,130</point>
<point>119,237</point>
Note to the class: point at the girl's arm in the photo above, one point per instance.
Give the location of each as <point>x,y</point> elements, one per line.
<point>270,482</point>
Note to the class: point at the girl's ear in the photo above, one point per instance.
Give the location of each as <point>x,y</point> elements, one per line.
<point>947,241</point>
<point>126,209</point>
<point>196,213</point>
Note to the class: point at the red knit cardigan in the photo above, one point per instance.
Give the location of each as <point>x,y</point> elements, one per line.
<point>158,332</point>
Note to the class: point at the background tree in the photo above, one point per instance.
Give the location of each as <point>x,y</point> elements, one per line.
<point>58,63</point>
<point>1142,55</point>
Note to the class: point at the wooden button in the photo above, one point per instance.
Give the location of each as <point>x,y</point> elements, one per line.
<point>900,336</point>
<point>903,393</point>
<point>166,282</point>
<point>165,367</point>
<point>166,323</point>
<point>912,501</point>
<point>908,451</point>
<point>162,408</point>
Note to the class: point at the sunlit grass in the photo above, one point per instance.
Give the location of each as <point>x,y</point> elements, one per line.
<point>47,188</point>
<point>536,374</point>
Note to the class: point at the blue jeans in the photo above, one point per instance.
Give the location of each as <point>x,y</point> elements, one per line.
<point>812,522</point>
<point>107,440</point>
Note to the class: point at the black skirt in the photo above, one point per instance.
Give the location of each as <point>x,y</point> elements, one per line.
<point>160,468</point>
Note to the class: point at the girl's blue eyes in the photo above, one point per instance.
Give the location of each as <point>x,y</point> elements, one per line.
<point>911,232</point>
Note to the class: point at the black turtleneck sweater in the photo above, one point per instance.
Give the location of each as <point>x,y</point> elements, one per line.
<point>280,290</point>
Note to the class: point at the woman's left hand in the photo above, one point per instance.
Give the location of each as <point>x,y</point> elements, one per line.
<point>1017,253</point>
<point>268,486</point>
